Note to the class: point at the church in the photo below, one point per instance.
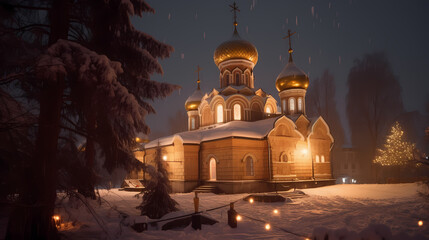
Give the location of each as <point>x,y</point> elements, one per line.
<point>241,139</point>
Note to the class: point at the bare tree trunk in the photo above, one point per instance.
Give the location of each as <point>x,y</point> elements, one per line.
<point>86,187</point>
<point>33,218</point>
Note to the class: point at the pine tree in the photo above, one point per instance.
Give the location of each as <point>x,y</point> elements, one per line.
<point>396,151</point>
<point>156,199</point>
<point>52,64</point>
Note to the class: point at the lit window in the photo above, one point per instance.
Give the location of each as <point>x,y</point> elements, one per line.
<point>323,158</point>
<point>192,123</point>
<point>284,105</point>
<point>268,109</point>
<point>299,104</point>
<point>237,112</point>
<point>219,113</point>
<point>249,166</point>
<point>291,104</point>
<point>317,158</point>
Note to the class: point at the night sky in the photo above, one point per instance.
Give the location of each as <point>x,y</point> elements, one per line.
<point>330,35</point>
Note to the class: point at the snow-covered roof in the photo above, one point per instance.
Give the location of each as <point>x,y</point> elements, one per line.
<point>291,70</point>
<point>257,130</point>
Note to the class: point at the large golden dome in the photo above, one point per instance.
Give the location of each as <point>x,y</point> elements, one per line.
<point>236,48</point>
<point>291,77</point>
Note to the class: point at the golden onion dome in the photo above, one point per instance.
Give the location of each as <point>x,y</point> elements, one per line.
<point>193,101</point>
<point>235,48</point>
<point>291,77</point>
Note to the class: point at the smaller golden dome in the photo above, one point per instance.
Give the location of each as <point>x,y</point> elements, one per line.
<point>236,48</point>
<point>291,77</point>
<point>193,101</point>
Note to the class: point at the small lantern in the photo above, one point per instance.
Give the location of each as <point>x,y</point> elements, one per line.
<point>267,226</point>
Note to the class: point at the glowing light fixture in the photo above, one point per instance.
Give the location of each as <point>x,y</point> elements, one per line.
<point>275,211</point>
<point>239,218</point>
<point>420,223</point>
<point>344,180</point>
<point>164,157</point>
<point>304,151</point>
<point>267,226</point>
<point>57,221</point>
<point>251,200</point>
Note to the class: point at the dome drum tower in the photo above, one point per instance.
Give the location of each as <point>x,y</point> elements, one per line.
<point>292,84</point>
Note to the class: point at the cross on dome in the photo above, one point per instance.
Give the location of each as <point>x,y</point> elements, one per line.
<point>234,8</point>
<point>198,72</point>
<point>289,35</point>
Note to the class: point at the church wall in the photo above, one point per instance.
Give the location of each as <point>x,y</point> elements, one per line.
<point>300,163</point>
<point>191,162</point>
<point>229,154</point>
<point>321,147</point>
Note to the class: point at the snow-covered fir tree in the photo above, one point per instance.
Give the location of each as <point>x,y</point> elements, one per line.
<point>53,62</point>
<point>156,200</point>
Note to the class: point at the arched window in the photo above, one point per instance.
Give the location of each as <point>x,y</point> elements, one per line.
<point>300,104</point>
<point>284,105</point>
<point>219,113</point>
<point>323,158</point>
<point>246,79</point>
<point>192,123</point>
<point>268,109</point>
<point>284,158</point>
<point>237,112</point>
<point>317,158</point>
<point>226,79</point>
<point>237,79</point>
<point>291,105</point>
<point>249,166</point>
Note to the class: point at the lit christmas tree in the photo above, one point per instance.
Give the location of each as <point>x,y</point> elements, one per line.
<point>396,150</point>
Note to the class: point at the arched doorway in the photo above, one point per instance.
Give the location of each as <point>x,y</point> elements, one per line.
<point>212,169</point>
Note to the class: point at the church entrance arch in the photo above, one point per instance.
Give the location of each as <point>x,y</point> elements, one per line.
<point>212,169</point>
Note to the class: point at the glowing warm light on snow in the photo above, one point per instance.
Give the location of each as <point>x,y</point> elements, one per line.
<point>267,226</point>
<point>251,200</point>
<point>275,211</point>
<point>164,157</point>
<point>420,223</point>
<point>238,218</point>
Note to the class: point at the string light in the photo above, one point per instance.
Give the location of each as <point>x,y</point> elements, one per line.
<point>267,226</point>
<point>396,151</point>
<point>420,223</point>
<point>239,218</point>
<point>250,200</point>
<point>275,211</point>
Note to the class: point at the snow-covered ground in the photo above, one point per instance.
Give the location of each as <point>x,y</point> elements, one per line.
<point>354,207</point>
